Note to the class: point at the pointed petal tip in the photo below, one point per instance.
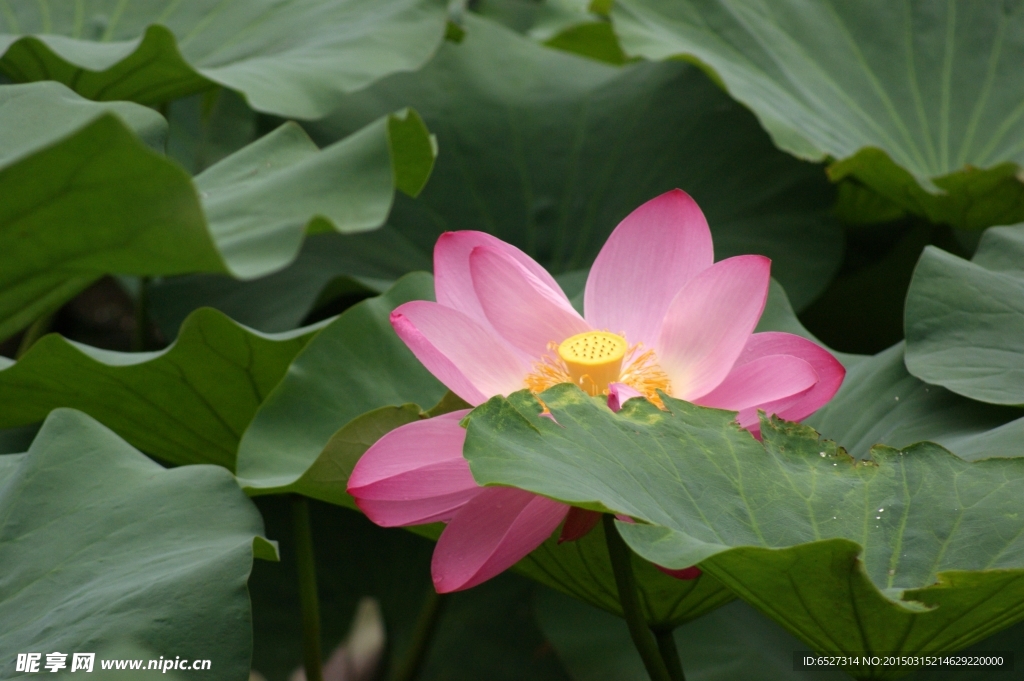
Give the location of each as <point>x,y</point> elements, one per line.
<point>647,259</point>
<point>490,534</point>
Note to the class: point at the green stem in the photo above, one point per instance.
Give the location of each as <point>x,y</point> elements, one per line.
<point>33,333</point>
<point>426,625</point>
<point>141,336</point>
<point>670,654</point>
<point>308,598</point>
<point>622,567</point>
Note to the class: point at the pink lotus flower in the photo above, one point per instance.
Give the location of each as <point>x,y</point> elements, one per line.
<point>660,314</point>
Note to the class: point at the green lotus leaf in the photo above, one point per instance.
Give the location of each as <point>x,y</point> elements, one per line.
<point>549,151</point>
<point>919,101</point>
<point>295,59</point>
<point>98,543</point>
<point>102,202</point>
<point>187,404</point>
<point>913,550</point>
<point>965,319</point>
<point>880,402</point>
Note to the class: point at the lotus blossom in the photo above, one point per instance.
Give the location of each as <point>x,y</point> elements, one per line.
<point>659,315</point>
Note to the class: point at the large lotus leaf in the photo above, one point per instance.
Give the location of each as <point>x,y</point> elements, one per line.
<point>920,101</point>
<point>965,319</point>
<point>98,543</point>
<point>548,151</point>
<point>880,402</point>
<point>101,202</point>
<point>187,404</point>
<point>355,364</point>
<point>914,550</point>
<point>293,59</point>
<point>40,114</point>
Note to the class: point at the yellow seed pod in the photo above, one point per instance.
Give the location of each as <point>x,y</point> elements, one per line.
<point>594,359</point>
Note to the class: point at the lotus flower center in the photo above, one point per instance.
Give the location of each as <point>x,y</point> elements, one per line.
<point>594,359</point>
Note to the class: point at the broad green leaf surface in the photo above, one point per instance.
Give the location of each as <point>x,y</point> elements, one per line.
<point>123,200</point>
<point>879,402</point>
<point>484,633</point>
<point>965,319</point>
<point>261,200</point>
<point>549,151</point>
<point>98,542</point>
<point>187,404</point>
<point>102,202</point>
<point>207,127</point>
<point>354,365</point>
<point>40,114</point>
<point>914,550</point>
<point>294,59</point>
<point>921,101</point>
<point>733,642</point>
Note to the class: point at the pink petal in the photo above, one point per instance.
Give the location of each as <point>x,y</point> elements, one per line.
<point>524,310</point>
<point>578,523</point>
<point>686,573</point>
<point>490,534</point>
<point>618,393</point>
<point>473,362</point>
<point>709,322</point>
<point>415,474</point>
<point>759,382</point>
<point>830,372</point>
<point>453,282</point>
<point>649,257</point>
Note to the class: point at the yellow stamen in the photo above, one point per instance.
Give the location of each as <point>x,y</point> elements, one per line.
<point>594,359</point>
